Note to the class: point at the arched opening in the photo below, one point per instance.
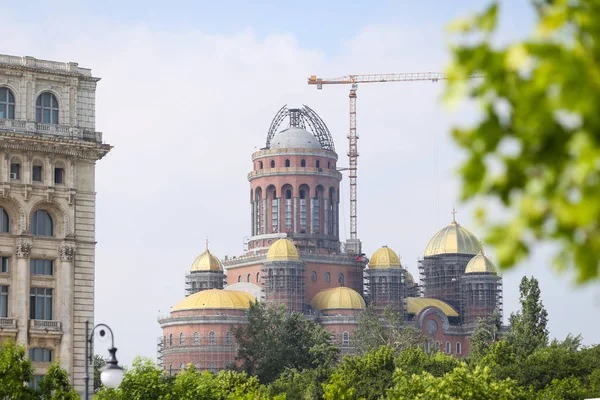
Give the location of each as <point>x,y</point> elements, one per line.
<point>260,165</point>
<point>303,163</point>
<point>341,278</point>
<point>212,338</point>
<point>258,277</point>
<point>4,221</point>
<point>458,348</point>
<point>7,103</point>
<point>273,211</point>
<point>239,278</point>
<point>327,277</point>
<point>288,207</point>
<point>258,212</point>
<point>345,339</point>
<point>304,193</point>
<point>313,276</point>
<point>228,338</point>
<point>328,164</point>
<point>41,223</point>
<point>46,109</point>
<point>272,163</point>
<point>287,163</point>
<point>196,338</point>
<point>248,278</point>
<point>181,338</point>
<point>316,207</point>
<point>171,339</point>
<point>448,348</point>
<point>318,164</point>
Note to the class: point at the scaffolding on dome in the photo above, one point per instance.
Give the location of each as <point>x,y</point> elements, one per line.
<point>210,352</point>
<point>283,283</point>
<point>197,281</point>
<point>387,287</point>
<point>304,118</point>
<point>440,276</point>
<point>481,296</point>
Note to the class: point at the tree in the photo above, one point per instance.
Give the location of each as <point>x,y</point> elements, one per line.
<point>537,142</point>
<point>416,361</point>
<point>461,383</point>
<point>373,332</point>
<point>144,381</point>
<point>99,362</point>
<point>15,371</point>
<point>56,385</point>
<point>528,327</point>
<point>486,333</point>
<point>273,341</point>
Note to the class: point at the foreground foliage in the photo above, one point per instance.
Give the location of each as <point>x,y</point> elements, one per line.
<point>536,146</point>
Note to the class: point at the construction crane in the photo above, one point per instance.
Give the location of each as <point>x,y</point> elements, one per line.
<point>354,80</point>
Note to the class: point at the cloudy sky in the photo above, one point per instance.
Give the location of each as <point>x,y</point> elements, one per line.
<point>188,91</point>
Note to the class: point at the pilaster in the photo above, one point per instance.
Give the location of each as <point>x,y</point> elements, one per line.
<point>20,296</point>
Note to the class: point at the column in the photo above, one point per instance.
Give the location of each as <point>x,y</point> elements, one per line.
<point>65,278</point>
<point>253,218</point>
<point>326,216</point>
<point>20,290</point>
<point>264,221</point>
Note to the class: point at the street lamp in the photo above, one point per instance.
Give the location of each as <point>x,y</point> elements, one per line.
<point>112,373</point>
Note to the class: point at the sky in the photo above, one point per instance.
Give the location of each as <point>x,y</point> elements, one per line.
<point>188,92</point>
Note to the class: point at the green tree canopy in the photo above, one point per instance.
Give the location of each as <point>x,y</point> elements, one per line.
<point>536,145</point>
<point>273,341</point>
<point>486,333</point>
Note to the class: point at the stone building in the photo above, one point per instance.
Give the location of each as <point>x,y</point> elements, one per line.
<point>49,146</point>
<point>295,258</point>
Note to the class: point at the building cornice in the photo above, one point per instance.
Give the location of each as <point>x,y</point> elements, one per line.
<point>32,64</point>
<point>66,147</point>
<point>294,152</point>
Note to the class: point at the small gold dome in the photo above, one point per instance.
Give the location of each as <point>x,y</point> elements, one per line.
<point>385,258</point>
<point>283,250</point>
<point>410,281</point>
<point>338,298</point>
<point>215,298</point>
<point>453,239</point>
<point>481,263</point>
<point>206,262</point>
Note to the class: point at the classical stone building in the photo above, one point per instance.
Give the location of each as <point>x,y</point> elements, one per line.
<point>295,258</point>
<point>49,147</point>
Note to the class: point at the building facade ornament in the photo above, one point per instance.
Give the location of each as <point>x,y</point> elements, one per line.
<point>67,252</point>
<point>23,249</point>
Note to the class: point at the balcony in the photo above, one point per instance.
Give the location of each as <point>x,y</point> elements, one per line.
<point>8,327</point>
<point>49,130</point>
<point>44,325</point>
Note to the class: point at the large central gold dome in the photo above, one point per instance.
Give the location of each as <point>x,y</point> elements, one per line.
<point>453,239</point>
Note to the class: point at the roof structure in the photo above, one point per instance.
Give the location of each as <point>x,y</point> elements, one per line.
<point>283,250</point>
<point>303,119</point>
<point>338,298</point>
<point>215,298</point>
<point>453,239</point>
<point>414,305</point>
<point>385,258</point>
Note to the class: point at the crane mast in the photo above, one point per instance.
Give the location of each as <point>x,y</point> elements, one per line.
<point>354,80</point>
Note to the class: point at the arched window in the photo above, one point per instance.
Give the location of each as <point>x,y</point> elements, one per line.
<point>239,278</point>
<point>196,338</point>
<point>448,348</point>
<point>228,338</point>
<point>318,164</point>
<point>181,338</point>
<point>287,163</point>
<point>258,277</point>
<point>327,277</point>
<point>313,276</point>
<point>328,164</point>
<point>248,278</point>
<point>171,339</point>
<point>7,104</point>
<point>341,278</point>
<point>41,223</point>
<point>212,338</point>
<point>437,346</point>
<point>458,348</point>
<point>170,369</point>
<point>345,339</point>
<point>303,163</point>
<point>46,109</point>
<point>4,225</point>
<point>260,165</point>
<point>272,163</point>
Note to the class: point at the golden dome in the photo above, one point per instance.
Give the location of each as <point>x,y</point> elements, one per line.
<point>385,258</point>
<point>215,298</point>
<point>206,262</point>
<point>414,305</point>
<point>453,239</point>
<point>480,263</point>
<point>410,281</point>
<point>283,250</point>
<point>338,298</point>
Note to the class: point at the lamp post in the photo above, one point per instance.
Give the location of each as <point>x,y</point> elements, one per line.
<point>112,373</point>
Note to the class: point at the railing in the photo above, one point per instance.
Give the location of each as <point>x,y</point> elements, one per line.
<point>43,324</point>
<point>53,130</point>
<point>8,323</point>
<point>296,171</point>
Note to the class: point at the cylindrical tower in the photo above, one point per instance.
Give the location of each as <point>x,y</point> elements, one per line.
<point>294,185</point>
<point>446,257</point>
<point>283,276</point>
<point>481,289</point>
<point>206,273</point>
<point>387,281</point>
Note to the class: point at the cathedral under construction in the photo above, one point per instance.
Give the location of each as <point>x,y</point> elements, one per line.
<point>295,258</point>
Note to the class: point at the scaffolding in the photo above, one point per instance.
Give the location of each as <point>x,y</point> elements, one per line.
<point>440,276</point>
<point>212,351</point>
<point>387,287</point>
<point>197,281</point>
<point>283,283</point>
<point>481,296</point>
